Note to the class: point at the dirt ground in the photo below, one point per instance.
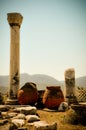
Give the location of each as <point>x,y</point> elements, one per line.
<point>53,116</point>
<point>59,117</point>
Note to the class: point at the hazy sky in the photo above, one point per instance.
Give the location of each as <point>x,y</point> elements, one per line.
<point>52,36</point>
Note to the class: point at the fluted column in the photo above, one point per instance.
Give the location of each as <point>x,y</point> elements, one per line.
<point>14,20</point>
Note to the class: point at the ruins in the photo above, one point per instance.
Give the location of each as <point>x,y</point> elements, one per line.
<point>70,85</point>
<point>14,20</point>
<point>24,116</point>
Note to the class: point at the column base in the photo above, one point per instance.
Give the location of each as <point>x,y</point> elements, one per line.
<point>12,102</point>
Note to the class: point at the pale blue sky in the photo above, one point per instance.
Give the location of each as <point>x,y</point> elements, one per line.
<point>53,36</point>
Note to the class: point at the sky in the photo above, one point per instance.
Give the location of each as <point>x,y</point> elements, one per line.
<point>52,36</point>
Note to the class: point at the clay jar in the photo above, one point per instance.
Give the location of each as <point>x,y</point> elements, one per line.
<point>28,94</point>
<point>52,97</point>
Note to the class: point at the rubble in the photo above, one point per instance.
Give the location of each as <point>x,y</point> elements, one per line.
<point>20,117</point>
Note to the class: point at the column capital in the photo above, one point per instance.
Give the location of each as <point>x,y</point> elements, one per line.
<point>14,19</point>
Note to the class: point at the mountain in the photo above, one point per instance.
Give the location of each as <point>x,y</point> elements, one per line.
<point>38,78</point>
<point>4,80</point>
<point>41,81</point>
<point>81,81</point>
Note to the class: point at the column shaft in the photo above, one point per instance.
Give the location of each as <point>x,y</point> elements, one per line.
<point>70,85</point>
<point>14,61</point>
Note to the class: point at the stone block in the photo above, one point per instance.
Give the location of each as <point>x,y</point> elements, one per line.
<point>43,125</point>
<point>26,110</point>
<point>32,118</point>
<point>18,122</point>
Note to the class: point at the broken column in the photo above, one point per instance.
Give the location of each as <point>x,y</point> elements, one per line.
<point>70,85</point>
<point>14,20</point>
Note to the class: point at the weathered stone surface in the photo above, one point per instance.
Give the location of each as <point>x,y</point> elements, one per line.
<point>3,121</point>
<point>28,94</point>
<point>26,110</point>
<point>76,115</point>
<point>20,116</point>
<point>12,114</point>
<point>14,20</point>
<point>63,106</point>
<point>13,127</point>
<point>70,82</point>
<point>11,101</point>
<point>42,125</point>
<point>4,114</point>
<point>4,108</point>
<point>12,120</point>
<point>80,109</point>
<point>32,118</point>
<point>70,86</point>
<point>52,97</point>
<point>18,122</point>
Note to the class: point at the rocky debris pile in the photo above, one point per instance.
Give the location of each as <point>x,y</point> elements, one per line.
<point>22,117</point>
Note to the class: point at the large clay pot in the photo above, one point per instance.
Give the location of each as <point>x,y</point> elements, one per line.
<point>52,97</point>
<point>28,94</point>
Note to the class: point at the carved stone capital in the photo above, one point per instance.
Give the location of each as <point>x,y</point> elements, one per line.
<point>14,19</point>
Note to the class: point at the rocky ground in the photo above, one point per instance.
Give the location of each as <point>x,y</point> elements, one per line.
<point>21,118</point>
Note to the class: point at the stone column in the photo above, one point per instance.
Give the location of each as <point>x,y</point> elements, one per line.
<point>14,20</point>
<point>70,85</point>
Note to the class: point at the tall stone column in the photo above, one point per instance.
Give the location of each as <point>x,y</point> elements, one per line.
<point>70,85</point>
<point>14,20</point>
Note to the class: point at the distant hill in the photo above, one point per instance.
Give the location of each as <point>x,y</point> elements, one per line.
<point>81,81</point>
<point>41,81</point>
<point>4,80</point>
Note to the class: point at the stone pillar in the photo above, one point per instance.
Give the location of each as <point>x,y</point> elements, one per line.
<point>14,20</point>
<point>70,85</point>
